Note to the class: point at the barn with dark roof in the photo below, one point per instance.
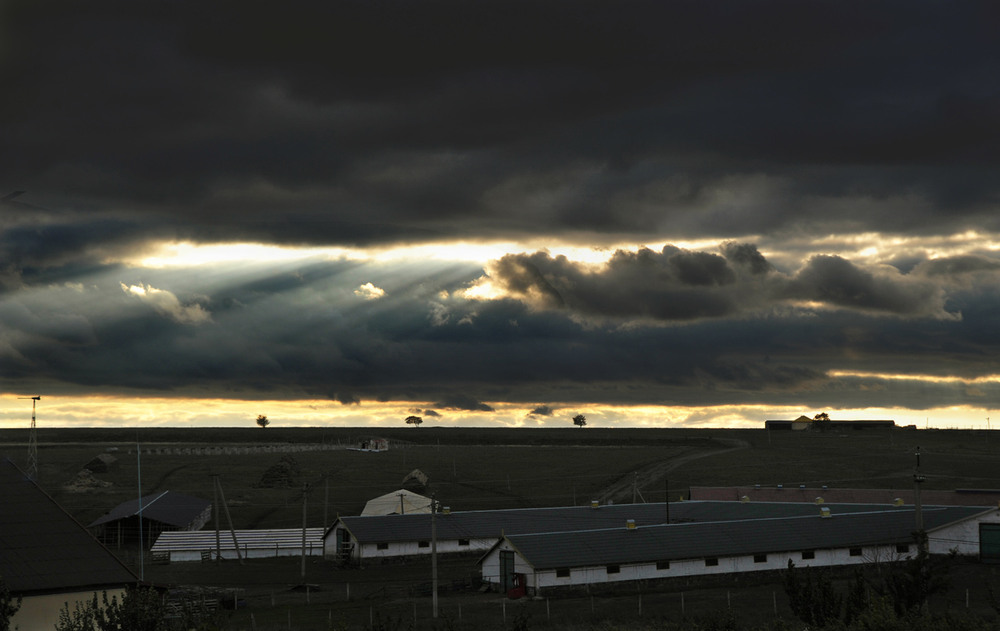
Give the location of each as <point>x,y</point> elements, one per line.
<point>154,514</point>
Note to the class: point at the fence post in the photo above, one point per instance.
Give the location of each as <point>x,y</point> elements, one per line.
<point>682,604</point>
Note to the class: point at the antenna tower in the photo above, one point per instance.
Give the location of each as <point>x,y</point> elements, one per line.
<point>32,441</point>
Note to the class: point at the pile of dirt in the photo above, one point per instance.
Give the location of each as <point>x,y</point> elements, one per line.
<point>282,475</point>
<point>85,482</point>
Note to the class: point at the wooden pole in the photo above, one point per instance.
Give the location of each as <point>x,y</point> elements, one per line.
<point>229,519</point>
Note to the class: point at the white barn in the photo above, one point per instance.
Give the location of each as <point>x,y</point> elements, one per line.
<point>179,546</point>
<point>357,539</point>
<point>556,559</point>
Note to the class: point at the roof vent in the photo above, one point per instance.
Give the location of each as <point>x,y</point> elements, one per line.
<point>802,486</point>
<point>824,512</point>
<point>630,524</point>
<point>897,502</point>
<point>781,486</point>
<point>756,486</point>
<point>595,504</point>
<point>745,499</point>
<point>819,500</point>
<point>446,510</point>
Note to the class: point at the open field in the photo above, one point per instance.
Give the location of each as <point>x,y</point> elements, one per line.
<point>486,468</point>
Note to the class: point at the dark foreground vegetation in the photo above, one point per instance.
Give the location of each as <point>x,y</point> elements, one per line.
<point>480,468</point>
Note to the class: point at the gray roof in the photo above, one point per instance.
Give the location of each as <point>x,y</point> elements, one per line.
<point>730,538</point>
<point>495,523</point>
<point>43,549</point>
<point>174,509</point>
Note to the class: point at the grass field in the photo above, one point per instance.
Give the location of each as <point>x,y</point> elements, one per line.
<point>478,469</point>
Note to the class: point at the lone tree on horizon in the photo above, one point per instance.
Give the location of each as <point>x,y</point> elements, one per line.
<point>414,420</point>
<point>262,421</point>
<point>579,420</point>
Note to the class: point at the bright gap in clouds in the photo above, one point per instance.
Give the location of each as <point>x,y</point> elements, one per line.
<point>186,254</point>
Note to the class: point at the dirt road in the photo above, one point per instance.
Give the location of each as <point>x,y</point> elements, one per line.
<point>651,474</point>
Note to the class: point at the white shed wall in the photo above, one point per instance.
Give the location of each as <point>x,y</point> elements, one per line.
<point>686,567</point>
<point>962,537</point>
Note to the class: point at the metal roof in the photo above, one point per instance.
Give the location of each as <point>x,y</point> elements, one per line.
<point>730,538</point>
<point>282,538</point>
<point>495,523</point>
<point>759,493</point>
<point>174,509</point>
<point>43,549</point>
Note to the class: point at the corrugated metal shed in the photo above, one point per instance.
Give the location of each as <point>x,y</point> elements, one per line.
<point>263,539</point>
<point>43,549</point>
<point>174,509</point>
<point>495,523</point>
<point>729,538</point>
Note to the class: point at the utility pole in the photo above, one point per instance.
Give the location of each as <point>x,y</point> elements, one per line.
<point>305,488</point>
<point>434,560</point>
<point>918,479</point>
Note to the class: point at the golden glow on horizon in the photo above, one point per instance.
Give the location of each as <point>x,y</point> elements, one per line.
<point>109,411</point>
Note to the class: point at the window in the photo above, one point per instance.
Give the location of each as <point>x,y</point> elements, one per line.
<point>760,558</point>
<point>424,544</point>
<point>903,548</point>
<point>614,569</point>
<point>711,562</point>
<point>855,552</point>
<point>808,554</point>
<point>382,546</point>
<point>562,572</point>
<point>463,542</point>
<point>663,565</point>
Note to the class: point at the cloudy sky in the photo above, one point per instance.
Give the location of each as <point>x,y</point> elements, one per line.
<point>651,213</point>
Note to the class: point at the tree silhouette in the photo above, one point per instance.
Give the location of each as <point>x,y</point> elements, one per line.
<point>822,416</point>
<point>579,420</point>
<point>262,421</point>
<point>414,420</point>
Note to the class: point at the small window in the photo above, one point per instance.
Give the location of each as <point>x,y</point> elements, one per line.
<point>424,544</point>
<point>663,565</point>
<point>855,552</point>
<point>463,542</point>
<point>614,569</point>
<point>382,546</point>
<point>760,558</point>
<point>711,562</point>
<point>808,554</point>
<point>562,572</point>
<point>903,548</point>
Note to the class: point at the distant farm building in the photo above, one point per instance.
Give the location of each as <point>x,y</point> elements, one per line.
<point>154,514</point>
<point>528,563</point>
<point>804,422</point>
<point>886,497</point>
<point>46,557</point>
<point>206,545</point>
<point>401,502</point>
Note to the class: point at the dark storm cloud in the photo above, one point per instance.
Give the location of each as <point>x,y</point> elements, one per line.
<point>679,285</point>
<point>542,410</point>
<point>359,122</point>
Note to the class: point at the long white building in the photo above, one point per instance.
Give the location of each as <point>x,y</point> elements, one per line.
<point>830,536</point>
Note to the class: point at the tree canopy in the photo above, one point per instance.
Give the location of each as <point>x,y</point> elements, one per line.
<point>262,420</point>
<point>414,420</point>
<point>579,420</point>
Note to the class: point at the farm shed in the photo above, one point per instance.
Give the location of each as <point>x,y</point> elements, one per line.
<point>161,512</point>
<point>547,560</point>
<point>177,546</point>
<point>47,557</point>
<point>401,502</point>
<point>361,538</point>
